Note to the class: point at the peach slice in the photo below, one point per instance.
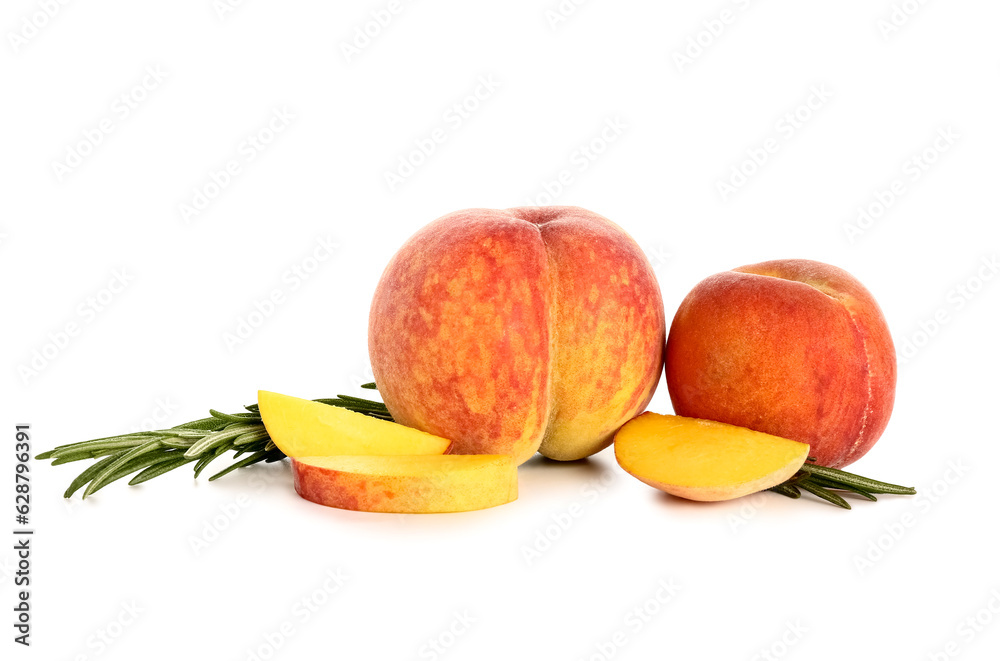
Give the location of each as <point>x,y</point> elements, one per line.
<point>705,460</point>
<point>300,428</point>
<point>407,484</point>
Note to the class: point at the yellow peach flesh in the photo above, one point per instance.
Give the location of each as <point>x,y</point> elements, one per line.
<point>301,427</point>
<point>705,460</point>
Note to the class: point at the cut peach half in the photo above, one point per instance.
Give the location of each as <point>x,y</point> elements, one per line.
<point>407,484</point>
<point>705,460</point>
<point>301,428</point>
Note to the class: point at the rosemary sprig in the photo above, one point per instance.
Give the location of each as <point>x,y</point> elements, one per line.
<point>153,453</point>
<point>823,482</point>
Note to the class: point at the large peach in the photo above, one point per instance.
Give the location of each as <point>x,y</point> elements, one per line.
<point>518,330</point>
<point>793,348</point>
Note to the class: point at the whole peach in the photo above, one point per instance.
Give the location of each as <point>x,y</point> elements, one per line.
<point>794,348</point>
<point>519,330</point>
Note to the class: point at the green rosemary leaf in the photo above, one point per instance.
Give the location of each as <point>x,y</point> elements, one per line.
<point>109,471</point>
<point>251,436</point>
<point>379,412</point>
<point>168,464</point>
<point>87,475</point>
<point>786,489</point>
<point>210,423</point>
<point>109,440</point>
<point>116,442</point>
<point>826,495</point>
<point>190,434</point>
<point>235,417</point>
<point>362,408</point>
<point>360,401</point>
<point>252,459</point>
<point>872,486</point>
<point>86,454</point>
<point>833,484</point>
<point>207,459</point>
<point>137,463</point>
<point>216,439</point>
<point>177,443</point>
<point>369,386</point>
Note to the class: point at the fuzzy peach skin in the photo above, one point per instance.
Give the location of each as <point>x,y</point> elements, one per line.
<point>407,484</point>
<point>518,330</point>
<point>794,348</point>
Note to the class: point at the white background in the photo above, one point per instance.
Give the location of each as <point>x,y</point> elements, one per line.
<point>794,579</point>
